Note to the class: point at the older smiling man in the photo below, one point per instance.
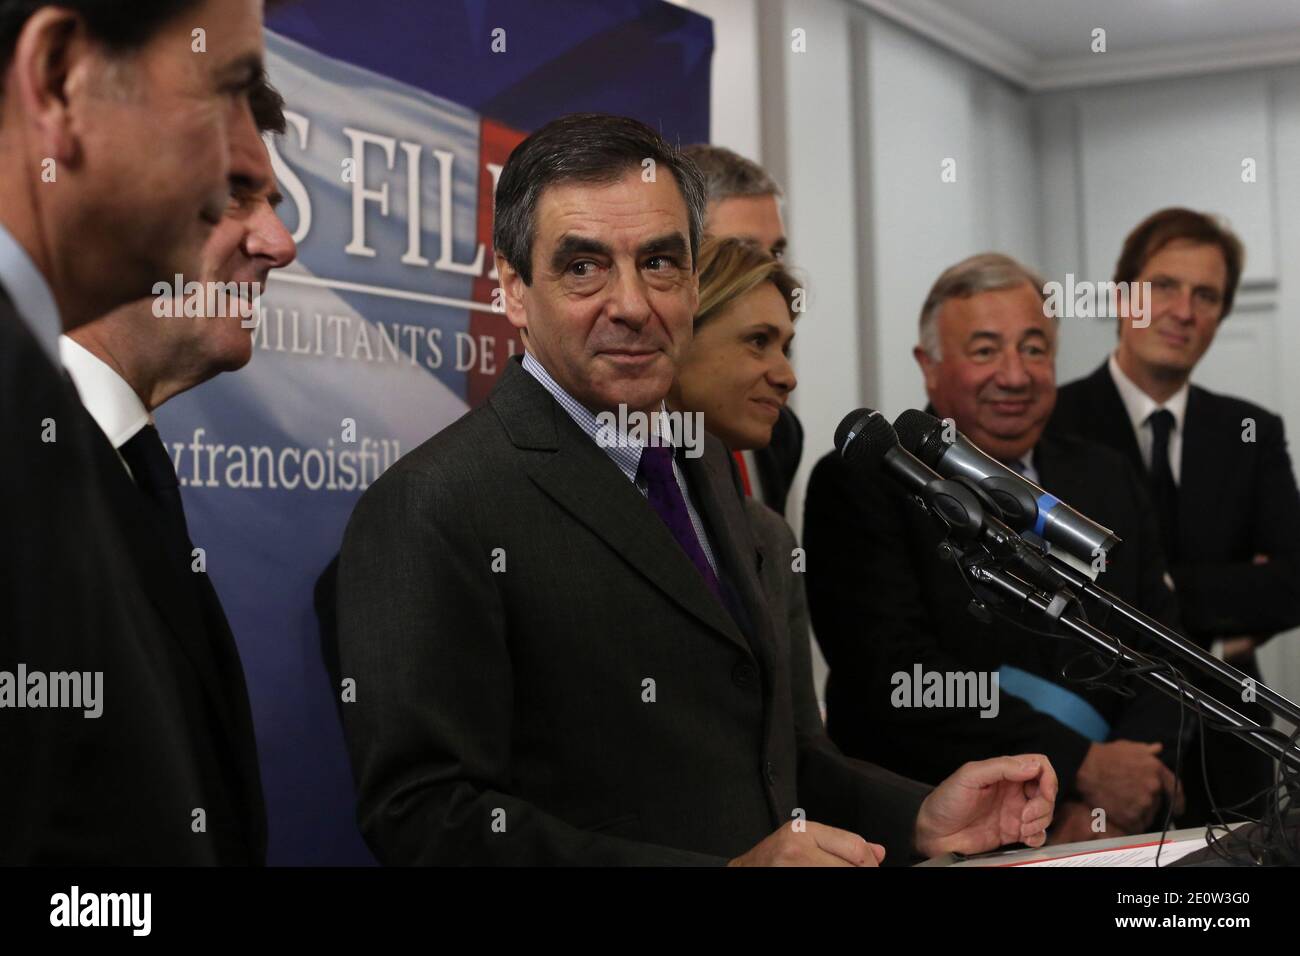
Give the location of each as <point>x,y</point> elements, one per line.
<point>561,651</point>
<point>884,604</point>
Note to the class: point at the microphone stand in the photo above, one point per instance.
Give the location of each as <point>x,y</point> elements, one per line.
<point>1207,663</point>
<point>1050,592</point>
<point>1008,569</point>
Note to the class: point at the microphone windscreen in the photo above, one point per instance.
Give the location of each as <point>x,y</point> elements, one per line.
<point>913,428</point>
<point>846,426</point>
<point>864,436</point>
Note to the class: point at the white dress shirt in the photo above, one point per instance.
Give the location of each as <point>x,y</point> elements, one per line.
<point>1140,405</point>
<point>1026,469</point>
<point>112,403</point>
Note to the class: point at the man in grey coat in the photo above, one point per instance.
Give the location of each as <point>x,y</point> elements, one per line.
<point>557,633</point>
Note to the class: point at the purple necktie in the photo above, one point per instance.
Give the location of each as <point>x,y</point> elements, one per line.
<point>665,497</point>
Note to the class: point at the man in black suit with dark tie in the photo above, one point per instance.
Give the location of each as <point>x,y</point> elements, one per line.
<point>128,364</point>
<point>554,622</point>
<point>889,612</point>
<point>1217,469</point>
<point>745,202</point>
<point>108,118</point>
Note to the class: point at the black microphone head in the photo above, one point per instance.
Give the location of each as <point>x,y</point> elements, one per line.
<point>864,436</point>
<point>914,427</point>
<point>846,426</point>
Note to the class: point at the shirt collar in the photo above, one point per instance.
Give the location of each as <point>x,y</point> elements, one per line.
<point>113,404</point>
<point>1140,405</point>
<point>1023,466</point>
<point>30,293</point>
<point>626,452</point>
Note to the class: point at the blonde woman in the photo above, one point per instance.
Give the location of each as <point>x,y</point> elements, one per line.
<point>737,372</point>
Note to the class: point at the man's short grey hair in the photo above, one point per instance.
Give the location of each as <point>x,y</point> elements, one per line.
<point>986,272</point>
<point>728,175</point>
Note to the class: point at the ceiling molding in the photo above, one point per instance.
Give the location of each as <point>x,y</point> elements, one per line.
<point>1161,62</point>
<point>961,35</point>
<point>986,48</point>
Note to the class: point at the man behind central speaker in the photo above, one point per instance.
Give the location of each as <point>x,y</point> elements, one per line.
<point>561,650</point>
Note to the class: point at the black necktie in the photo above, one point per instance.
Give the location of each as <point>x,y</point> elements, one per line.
<point>1164,492</point>
<point>155,476</point>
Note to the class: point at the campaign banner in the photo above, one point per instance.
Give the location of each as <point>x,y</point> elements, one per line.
<point>400,116</point>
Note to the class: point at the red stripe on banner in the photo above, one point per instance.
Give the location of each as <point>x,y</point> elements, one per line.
<point>495,143</point>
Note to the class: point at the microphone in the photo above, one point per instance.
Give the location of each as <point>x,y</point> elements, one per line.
<point>1025,506</point>
<point>867,441</point>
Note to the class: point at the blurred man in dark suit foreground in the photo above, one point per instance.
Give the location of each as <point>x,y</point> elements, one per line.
<point>128,364</point>
<point>1218,472</point>
<point>117,145</point>
<point>559,643</point>
<point>884,604</point>
<point>744,202</point>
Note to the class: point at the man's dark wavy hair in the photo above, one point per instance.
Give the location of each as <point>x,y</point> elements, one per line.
<point>1169,225</point>
<point>592,148</point>
<point>121,26</point>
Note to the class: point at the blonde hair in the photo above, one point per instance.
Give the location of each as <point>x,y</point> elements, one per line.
<point>730,267</point>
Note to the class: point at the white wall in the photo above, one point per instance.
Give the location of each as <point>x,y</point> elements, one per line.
<point>924,107</point>
<point>735,116</point>
<point>1280,659</point>
<point>1110,156</point>
<point>822,184</point>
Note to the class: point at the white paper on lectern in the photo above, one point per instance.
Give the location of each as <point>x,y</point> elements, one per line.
<point>1124,856</point>
<point>1135,850</point>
